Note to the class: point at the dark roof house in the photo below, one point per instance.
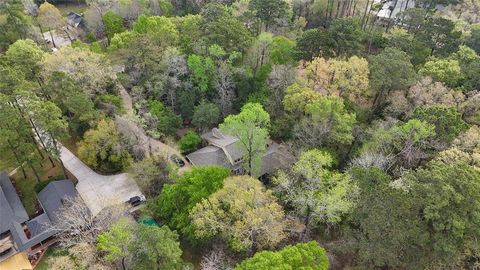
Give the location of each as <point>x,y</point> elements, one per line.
<point>224,150</point>
<point>75,19</point>
<point>19,233</point>
<point>11,212</point>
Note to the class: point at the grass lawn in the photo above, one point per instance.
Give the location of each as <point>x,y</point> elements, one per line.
<point>71,142</point>
<point>52,252</point>
<point>66,8</point>
<point>26,186</point>
<point>7,161</point>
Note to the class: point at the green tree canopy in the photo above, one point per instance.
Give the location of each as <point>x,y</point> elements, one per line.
<point>385,230</point>
<point>347,36</point>
<point>474,40</point>
<point>73,102</point>
<point>448,194</point>
<point>221,28</point>
<point>447,121</point>
<point>102,148</point>
<point>15,23</point>
<point>243,213</point>
<point>443,70</point>
<point>26,57</point>
<point>175,202</point>
<point>282,50</point>
<point>297,98</point>
<point>390,70</point>
<point>206,115</point>
<point>166,121</point>
<point>113,24</point>
<point>202,72</point>
<point>303,256</point>
<point>268,10</point>
<point>159,28</point>
<point>250,126</point>
<point>328,123</point>
<point>313,43</point>
<point>157,248</point>
<point>116,242</point>
<point>316,193</point>
<point>146,246</point>
<point>440,35</point>
<point>405,143</point>
<point>189,142</point>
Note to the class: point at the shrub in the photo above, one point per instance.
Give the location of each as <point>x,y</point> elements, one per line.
<point>189,142</point>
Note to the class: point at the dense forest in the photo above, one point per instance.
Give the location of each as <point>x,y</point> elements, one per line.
<point>376,103</point>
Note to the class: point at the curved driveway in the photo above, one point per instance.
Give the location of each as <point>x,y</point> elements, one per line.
<point>149,144</point>
<point>99,191</point>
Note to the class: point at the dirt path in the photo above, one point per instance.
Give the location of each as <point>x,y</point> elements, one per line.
<point>126,100</point>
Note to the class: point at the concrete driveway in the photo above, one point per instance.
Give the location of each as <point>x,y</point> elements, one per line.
<point>149,144</point>
<point>99,191</point>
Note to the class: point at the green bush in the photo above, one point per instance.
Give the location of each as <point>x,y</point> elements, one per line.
<point>112,99</point>
<point>91,37</point>
<point>167,121</point>
<point>189,142</point>
<point>300,256</point>
<point>113,24</point>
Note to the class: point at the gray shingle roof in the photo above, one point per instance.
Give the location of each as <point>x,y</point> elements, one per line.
<point>39,224</point>
<point>276,157</point>
<point>217,138</point>
<point>11,208</point>
<point>229,145</point>
<point>224,150</point>
<point>234,152</point>
<point>209,155</point>
<point>52,196</point>
<point>74,19</point>
<point>13,214</point>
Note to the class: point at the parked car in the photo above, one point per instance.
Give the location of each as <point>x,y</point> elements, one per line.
<point>177,160</point>
<point>136,200</point>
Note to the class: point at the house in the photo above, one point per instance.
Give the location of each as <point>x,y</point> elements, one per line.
<point>225,150</point>
<point>12,215</point>
<point>394,9</point>
<point>75,20</point>
<point>20,234</point>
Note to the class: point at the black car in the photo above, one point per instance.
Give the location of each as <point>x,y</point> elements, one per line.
<point>136,200</point>
<point>177,160</point>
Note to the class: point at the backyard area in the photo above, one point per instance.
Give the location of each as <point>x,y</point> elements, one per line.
<point>28,187</point>
<point>7,161</point>
<point>52,252</point>
<point>77,7</point>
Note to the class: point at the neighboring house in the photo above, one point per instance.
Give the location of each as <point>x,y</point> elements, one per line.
<point>224,150</point>
<point>18,233</point>
<point>393,9</point>
<point>64,36</point>
<point>75,20</point>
